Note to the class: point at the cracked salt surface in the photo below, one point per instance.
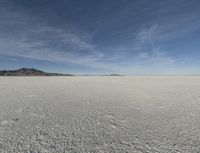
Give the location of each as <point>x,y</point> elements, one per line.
<point>100,114</point>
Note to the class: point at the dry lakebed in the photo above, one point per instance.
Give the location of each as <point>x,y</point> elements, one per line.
<point>100,114</point>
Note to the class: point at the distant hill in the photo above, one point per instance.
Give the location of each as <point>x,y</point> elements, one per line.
<point>117,75</point>
<point>104,75</point>
<point>29,72</point>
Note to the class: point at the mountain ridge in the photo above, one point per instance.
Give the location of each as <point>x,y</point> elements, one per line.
<point>29,72</point>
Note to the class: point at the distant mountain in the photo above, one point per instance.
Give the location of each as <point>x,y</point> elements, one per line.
<point>29,72</point>
<point>117,75</point>
<point>112,75</point>
<point>104,75</point>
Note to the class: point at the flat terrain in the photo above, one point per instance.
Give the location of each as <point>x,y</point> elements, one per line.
<point>100,114</point>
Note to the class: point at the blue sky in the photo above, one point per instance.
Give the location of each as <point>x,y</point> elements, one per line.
<point>134,37</point>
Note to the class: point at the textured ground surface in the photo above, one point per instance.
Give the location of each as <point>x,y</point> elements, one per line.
<point>100,114</point>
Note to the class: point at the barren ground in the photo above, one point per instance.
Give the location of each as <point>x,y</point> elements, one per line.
<point>100,114</point>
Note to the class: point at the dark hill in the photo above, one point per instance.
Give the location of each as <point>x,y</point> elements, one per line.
<point>29,72</point>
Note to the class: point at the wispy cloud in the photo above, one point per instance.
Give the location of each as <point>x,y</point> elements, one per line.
<point>150,55</point>
<point>155,58</point>
<point>66,44</point>
<point>45,42</point>
<point>147,35</point>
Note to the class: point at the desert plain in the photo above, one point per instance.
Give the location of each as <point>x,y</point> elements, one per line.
<point>100,114</point>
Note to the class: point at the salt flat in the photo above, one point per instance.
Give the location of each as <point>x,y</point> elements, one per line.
<point>100,114</point>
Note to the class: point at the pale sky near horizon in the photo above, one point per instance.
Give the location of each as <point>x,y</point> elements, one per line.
<point>133,37</point>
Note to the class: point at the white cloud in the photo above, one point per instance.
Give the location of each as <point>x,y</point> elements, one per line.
<point>44,50</point>
<point>155,58</point>
<point>147,35</point>
<point>27,36</point>
<point>150,56</point>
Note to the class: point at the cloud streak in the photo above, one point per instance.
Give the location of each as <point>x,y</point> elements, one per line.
<point>150,56</point>
<point>44,42</point>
